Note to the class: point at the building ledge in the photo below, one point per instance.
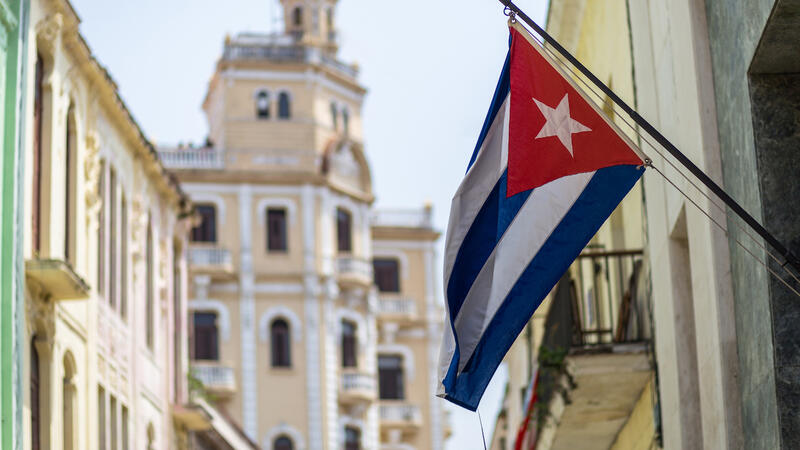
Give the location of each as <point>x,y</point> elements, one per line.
<point>57,278</point>
<point>192,417</point>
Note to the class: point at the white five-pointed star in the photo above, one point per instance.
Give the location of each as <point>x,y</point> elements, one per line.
<point>559,123</point>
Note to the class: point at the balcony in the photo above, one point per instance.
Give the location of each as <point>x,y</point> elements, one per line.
<point>400,415</point>
<point>57,278</point>
<point>214,261</point>
<point>397,309</point>
<point>216,379</point>
<point>357,387</point>
<point>354,271</point>
<point>193,158</point>
<point>276,48</point>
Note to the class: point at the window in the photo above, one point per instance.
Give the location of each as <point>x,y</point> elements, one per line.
<point>352,438</point>
<point>390,377</point>
<point>386,272</point>
<point>206,341</point>
<point>69,407</point>
<point>125,437</point>
<point>112,238</point>
<point>101,231</point>
<point>36,420</point>
<point>112,405</point>
<point>149,286</point>
<point>177,318</point>
<point>297,17</point>
<point>151,437</point>
<point>123,254</point>
<point>283,443</point>
<point>346,121</point>
<point>284,106</point>
<point>334,116</point>
<point>343,230</point>
<point>281,350</point>
<point>101,416</point>
<point>349,355</point>
<point>206,231</point>
<point>276,230</point>
<point>329,18</point>
<point>70,189</point>
<point>38,113</point>
<point>262,105</point>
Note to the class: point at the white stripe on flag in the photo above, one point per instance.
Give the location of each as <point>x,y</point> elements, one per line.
<point>530,229</point>
<point>467,202</point>
<point>476,186</point>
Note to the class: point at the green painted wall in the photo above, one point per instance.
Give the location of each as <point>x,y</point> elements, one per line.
<point>13,27</point>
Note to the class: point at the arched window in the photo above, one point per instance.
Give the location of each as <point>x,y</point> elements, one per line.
<point>334,116</point>
<point>284,106</point>
<point>349,341</point>
<point>283,443</point>
<point>346,121</point>
<point>206,231</point>
<point>150,286</point>
<point>36,440</point>
<point>352,438</point>
<point>206,336</point>
<point>297,17</point>
<point>262,105</point>
<point>70,186</point>
<point>39,104</point>
<point>279,338</point>
<point>344,224</point>
<point>151,437</point>
<point>69,417</point>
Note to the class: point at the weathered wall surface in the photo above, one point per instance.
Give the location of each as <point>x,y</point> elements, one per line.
<point>756,130</point>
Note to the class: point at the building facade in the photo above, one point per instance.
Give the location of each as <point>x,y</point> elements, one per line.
<point>104,232</point>
<point>719,80</point>
<point>13,26</point>
<point>590,342</point>
<point>315,319</point>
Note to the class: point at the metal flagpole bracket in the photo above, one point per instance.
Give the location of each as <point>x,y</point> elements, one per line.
<point>512,15</point>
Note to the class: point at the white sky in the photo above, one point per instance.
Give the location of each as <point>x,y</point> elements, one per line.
<point>430,67</point>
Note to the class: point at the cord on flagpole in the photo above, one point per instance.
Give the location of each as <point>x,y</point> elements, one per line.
<point>788,256</point>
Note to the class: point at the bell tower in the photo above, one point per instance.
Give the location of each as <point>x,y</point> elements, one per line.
<point>311,23</point>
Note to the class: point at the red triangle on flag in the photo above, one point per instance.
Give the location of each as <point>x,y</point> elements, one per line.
<point>553,130</point>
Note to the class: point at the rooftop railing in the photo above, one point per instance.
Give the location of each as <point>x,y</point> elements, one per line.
<point>193,158</point>
<point>405,218</point>
<point>275,50</point>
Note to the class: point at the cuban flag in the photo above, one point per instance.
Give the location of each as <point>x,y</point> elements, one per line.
<point>547,171</point>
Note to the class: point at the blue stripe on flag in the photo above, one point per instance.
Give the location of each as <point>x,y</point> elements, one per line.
<point>484,233</point>
<point>604,192</point>
<point>500,94</point>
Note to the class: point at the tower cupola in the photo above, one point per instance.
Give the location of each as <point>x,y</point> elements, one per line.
<point>311,22</point>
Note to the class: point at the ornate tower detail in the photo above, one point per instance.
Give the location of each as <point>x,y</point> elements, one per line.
<point>311,22</point>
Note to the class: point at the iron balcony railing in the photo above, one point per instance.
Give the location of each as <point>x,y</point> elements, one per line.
<point>609,302</point>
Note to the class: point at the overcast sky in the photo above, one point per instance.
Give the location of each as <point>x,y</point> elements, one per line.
<point>430,67</point>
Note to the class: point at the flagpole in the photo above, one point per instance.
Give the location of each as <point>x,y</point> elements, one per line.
<point>788,256</point>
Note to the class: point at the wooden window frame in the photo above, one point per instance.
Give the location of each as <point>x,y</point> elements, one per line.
<point>277,230</point>
<point>208,332</point>
<point>344,230</point>
<point>280,344</point>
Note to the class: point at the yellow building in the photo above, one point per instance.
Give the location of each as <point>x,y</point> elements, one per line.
<point>105,354</point>
<point>591,338</point>
<point>315,319</point>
